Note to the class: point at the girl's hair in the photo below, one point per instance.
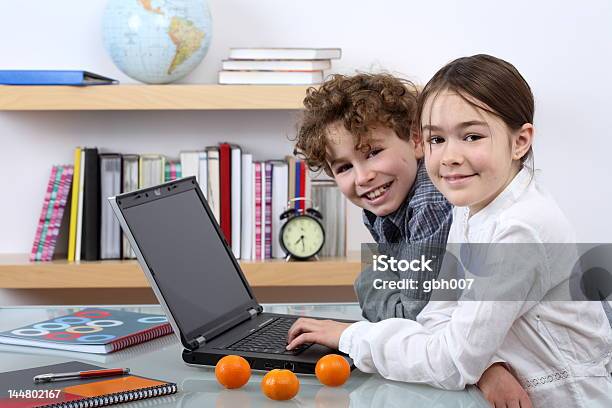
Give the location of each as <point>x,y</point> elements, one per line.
<point>358,103</point>
<point>484,80</point>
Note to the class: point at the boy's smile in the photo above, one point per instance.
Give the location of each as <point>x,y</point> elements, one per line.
<point>377,179</point>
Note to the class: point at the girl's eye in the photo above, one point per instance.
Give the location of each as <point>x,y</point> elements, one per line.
<point>472,138</point>
<point>435,140</point>
<point>374,152</point>
<point>342,168</point>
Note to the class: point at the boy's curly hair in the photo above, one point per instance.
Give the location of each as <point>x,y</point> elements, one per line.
<point>358,102</point>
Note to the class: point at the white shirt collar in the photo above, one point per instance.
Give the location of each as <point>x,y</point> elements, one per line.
<point>505,199</point>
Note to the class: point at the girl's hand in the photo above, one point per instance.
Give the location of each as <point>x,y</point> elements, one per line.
<point>501,389</point>
<point>325,332</point>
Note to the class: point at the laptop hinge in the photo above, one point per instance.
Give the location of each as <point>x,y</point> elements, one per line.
<point>211,334</point>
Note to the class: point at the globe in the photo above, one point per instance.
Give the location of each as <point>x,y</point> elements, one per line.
<point>157,41</point>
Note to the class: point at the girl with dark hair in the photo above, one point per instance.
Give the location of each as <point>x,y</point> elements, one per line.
<point>475,118</point>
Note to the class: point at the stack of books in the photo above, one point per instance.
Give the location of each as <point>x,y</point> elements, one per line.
<point>246,195</point>
<point>277,66</point>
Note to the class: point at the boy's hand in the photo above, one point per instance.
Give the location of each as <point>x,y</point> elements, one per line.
<point>325,332</point>
<point>501,389</point>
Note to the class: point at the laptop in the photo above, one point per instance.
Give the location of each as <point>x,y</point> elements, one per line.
<point>199,283</point>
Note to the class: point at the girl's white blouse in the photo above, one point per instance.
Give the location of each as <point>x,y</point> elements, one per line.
<point>560,351</point>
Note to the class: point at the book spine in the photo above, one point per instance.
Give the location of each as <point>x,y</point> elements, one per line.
<point>56,220</point>
<point>257,211</point>
<point>225,168</point>
<point>141,337</point>
<point>117,397</point>
<point>74,205</point>
<point>302,184</point>
<point>268,211</point>
<point>43,213</point>
<point>52,200</point>
<point>90,249</point>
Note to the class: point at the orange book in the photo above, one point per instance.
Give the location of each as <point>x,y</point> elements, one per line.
<point>81,392</point>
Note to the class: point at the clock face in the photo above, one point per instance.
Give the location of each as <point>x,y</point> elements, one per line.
<point>302,236</point>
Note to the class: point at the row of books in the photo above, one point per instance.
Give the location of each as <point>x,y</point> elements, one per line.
<point>277,66</point>
<point>247,197</point>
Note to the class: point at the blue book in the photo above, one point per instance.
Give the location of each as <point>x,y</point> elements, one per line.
<point>39,77</point>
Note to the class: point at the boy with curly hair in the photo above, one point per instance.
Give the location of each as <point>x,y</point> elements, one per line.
<point>358,129</point>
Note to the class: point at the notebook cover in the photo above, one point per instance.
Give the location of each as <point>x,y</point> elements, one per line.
<point>90,330</point>
<point>42,77</point>
<point>18,389</point>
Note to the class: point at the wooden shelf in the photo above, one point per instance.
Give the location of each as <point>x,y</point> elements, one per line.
<point>16,272</point>
<point>151,97</point>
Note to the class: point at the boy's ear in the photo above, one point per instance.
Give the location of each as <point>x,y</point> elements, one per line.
<point>417,144</point>
<point>523,141</point>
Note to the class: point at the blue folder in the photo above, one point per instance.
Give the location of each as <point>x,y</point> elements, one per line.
<point>37,77</point>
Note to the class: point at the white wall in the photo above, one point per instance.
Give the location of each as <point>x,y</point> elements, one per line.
<point>562,48</point>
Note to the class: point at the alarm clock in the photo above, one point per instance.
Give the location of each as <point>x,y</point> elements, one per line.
<point>302,236</point>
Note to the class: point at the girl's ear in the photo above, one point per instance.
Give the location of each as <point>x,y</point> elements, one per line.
<point>523,141</point>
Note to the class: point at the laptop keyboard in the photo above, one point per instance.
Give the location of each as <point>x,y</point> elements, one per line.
<point>271,338</point>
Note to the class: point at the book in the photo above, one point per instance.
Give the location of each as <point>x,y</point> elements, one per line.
<point>331,203</point>
<point>285,53</point>
<point>236,194</point>
<point>190,164</point>
<point>18,389</point>
<point>43,214</point>
<point>203,172</point>
<point>246,232</point>
<point>214,191</point>
<point>270,77</point>
<point>225,184</point>
<point>74,204</point>
<point>129,183</point>
<point>280,181</point>
<point>53,77</point>
<point>79,221</point>
<point>90,330</point>
<point>57,234</point>
<point>275,65</point>
<point>267,204</point>
<point>90,238</point>
<point>110,185</point>
<point>258,190</point>
<point>151,170</point>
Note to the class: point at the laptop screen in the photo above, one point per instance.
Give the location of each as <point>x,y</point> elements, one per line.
<point>184,252</point>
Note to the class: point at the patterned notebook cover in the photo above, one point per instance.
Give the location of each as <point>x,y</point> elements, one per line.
<point>18,390</point>
<point>90,331</point>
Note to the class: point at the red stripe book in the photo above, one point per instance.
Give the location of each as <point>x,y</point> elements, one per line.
<point>225,167</point>
<point>58,212</point>
<point>43,213</point>
<point>268,211</point>
<point>302,184</point>
<point>258,218</point>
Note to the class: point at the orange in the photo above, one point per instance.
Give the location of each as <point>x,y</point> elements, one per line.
<point>332,370</point>
<point>280,385</point>
<point>232,371</point>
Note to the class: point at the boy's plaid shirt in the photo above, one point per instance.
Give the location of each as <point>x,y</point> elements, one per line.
<point>422,221</point>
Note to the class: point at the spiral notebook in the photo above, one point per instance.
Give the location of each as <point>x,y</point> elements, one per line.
<point>92,330</point>
<point>18,390</point>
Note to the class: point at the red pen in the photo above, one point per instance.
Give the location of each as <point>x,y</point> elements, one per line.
<point>80,374</point>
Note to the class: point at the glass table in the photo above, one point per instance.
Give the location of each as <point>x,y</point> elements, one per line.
<point>161,359</point>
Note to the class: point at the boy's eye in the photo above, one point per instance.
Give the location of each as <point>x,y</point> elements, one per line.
<point>472,138</point>
<point>435,140</point>
<point>374,152</point>
<point>342,168</point>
